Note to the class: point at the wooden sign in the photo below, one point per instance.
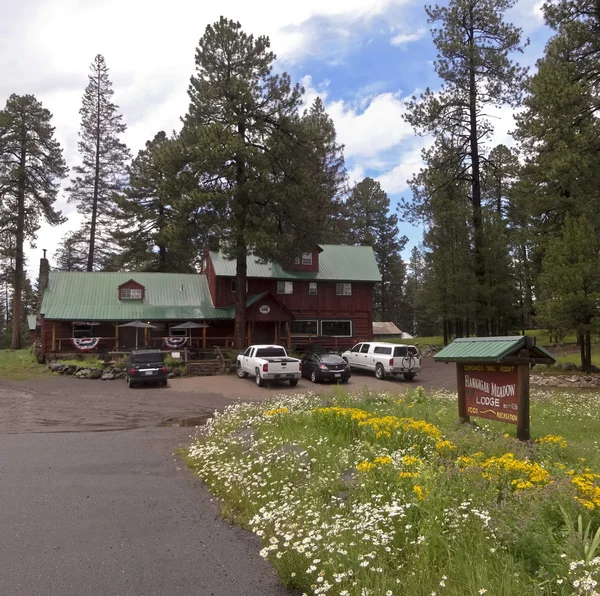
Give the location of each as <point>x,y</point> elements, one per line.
<point>491,391</point>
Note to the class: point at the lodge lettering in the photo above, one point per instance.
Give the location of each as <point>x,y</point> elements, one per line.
<point>490,388</point>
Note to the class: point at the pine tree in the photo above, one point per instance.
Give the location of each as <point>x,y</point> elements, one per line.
<point>262,177</point>
<point>72,252</point>
<point>474,47</point>
<point>31,167</point>
<point>371,224</point>
<point>148,210</point>
<point>102,172</point>
<point>570,282</point>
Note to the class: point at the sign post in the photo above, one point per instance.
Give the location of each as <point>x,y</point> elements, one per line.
<point>492,375</point>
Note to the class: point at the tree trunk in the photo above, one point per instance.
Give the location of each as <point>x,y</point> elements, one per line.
<point>581,349</point>
<point>476,187</point>
<point>19,257</point>
<point>90,263</point>
<point>241,248</point>
<point>162,246</point>
<point>588,351</point>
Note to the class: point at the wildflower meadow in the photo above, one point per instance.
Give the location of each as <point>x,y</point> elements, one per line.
<point>389,495</point>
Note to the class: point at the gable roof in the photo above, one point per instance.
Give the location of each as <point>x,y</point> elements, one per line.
<point>337,262</point>
<point>79,296</point>
<point>488,349</point>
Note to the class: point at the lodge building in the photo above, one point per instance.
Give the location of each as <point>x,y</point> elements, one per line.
<point>323,296</point>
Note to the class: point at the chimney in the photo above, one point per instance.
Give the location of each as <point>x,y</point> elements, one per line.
<point>44,274</point>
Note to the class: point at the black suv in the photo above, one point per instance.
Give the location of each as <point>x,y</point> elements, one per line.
<point>146,366</point>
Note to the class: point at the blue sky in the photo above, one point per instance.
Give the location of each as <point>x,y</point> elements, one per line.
<point>363,57</point>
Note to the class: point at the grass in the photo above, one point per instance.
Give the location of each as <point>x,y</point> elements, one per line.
<point>88,361</point>
<point>387,494</point>
<point>19,365</point>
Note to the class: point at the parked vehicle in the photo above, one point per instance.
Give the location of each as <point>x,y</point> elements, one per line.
<point>146,366</point>
<point>384,359</point>
<point>325,367</point>
<point>268,363</point>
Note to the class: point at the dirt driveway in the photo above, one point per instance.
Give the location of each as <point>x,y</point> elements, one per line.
<point>65,404</point>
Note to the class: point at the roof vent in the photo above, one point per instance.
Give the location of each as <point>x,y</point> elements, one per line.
<point>182,287</point>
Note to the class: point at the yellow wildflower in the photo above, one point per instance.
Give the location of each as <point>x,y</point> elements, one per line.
<point>445,447</point>
<point>553,439</point>
<point>408,475</point>
<point>419,491</point>
<point>276,411</point>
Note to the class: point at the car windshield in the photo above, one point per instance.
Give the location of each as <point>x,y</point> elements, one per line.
<point>270,353</point>
<point>148,358</point>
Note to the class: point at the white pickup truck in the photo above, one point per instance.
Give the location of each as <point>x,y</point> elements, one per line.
<point>268,363</point>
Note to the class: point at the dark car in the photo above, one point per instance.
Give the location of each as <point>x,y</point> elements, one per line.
<point>146,366</point>
<point>325,367</point>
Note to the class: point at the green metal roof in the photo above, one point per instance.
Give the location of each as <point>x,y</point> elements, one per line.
<point>487,349</point>
<point>337,262</point>
<point>31,322</point>
<point>76,296</point>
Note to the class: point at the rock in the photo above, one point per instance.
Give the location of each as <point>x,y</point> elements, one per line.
<point>107,376</point>
<point>56,367</point>
<point>117,370</point>
<point>244,436</point>
<point>84,373</point>
<point>177,372</point>
<point>171,375</point>
<point>70,370</point>
<point>343,495</point>
<point>296,450</point>
<point>96,374</point>
<point>349,477</point>
<point>568,367</point>
<point>120,376</point>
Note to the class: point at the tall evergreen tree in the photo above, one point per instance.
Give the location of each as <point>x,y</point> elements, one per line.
<point>31,167</point>
<point>102,171</point>
<point>259,166</point>
<point>148,209</point>
<point>71,254</point>
<point>371,224</point>
<point>474,61</point>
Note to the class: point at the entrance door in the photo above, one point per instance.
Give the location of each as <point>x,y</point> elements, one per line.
<point>127,337</point>
<point>263,332</point>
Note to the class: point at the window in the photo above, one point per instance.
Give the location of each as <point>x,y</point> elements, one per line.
<point>285,287</point>
<point>356,348</point>
<point>307,258</point>
<point>247,352</point>
<point>343,289</point>
<point>234,285</point>
<point>305,328</point>
<point>270,353</point>
<point>131,293</point>
<point>337,328</point>
<point>312,288</point>
<point>177,332</point>
<point>400,351</point>
<point>83,331</point>
<point>382,350</point>
<point>365,348</point>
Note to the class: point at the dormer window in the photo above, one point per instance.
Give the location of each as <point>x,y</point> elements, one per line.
<point>131,290</point>
<point>305,259</point>
<point>131,293</point>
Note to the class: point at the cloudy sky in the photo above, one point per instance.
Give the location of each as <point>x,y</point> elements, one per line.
<point>363,57</point>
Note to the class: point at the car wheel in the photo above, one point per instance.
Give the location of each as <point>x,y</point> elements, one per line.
<point>409,376</point>
<point>380,372</point>
<point>241,373</point>
<point>259,380</point>
<point>164,383</point>
<point>313,376</point>
<point>130,383</point>
<point>293,382</point>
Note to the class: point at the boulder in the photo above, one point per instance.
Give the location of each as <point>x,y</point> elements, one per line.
<point>177,372</point>
<point>107,376</point>
<point>568,367</point>
<point>56,367</point>
<point>349,477</point>
<point>117,370</point>
<point>297,451</point>
<point>120,376</point>
<point>96,374</point>
<point>171,375</point>
<point>84,373</point>
<point>244,436</point>
<point>70,369</point>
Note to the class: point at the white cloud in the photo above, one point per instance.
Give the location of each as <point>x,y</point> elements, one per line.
<point>395,180</point>
<point>403,38</point>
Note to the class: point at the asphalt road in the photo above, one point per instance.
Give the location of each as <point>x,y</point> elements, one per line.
<point>94,503</point>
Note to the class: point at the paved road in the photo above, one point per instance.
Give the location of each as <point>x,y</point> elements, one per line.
<point>90,513</point>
